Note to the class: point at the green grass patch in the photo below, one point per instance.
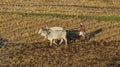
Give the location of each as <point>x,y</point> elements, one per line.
<point>36,14</point>
<point>101,18</point>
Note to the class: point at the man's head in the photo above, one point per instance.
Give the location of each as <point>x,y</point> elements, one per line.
<point>81,24</point>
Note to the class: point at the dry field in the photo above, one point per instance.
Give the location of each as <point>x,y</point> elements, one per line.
<point>71,7</point>
<point>22,46</point>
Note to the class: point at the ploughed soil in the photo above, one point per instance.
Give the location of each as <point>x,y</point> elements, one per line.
<point>78,53</point>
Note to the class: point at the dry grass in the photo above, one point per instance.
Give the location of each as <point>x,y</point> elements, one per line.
<point>71,7</point>
<point>17,27</point>
<point>23,47</point>
<point>80,2</point>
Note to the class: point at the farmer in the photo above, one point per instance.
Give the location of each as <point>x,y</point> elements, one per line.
<point>82,30</point>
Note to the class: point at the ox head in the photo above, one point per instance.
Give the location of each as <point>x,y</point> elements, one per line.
<point>44,31</point>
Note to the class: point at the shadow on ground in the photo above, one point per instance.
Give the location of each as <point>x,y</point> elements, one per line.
<point>92,34</point>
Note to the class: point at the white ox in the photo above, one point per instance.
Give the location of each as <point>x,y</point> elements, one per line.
<point>52,28</point>
<point>52,35</point>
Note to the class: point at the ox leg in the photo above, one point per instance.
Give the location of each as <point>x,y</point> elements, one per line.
<point>44,38</point>
<point>66,41</point>
<point>61,41</point>
<point>51,42</point>
<point>54,42</point>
